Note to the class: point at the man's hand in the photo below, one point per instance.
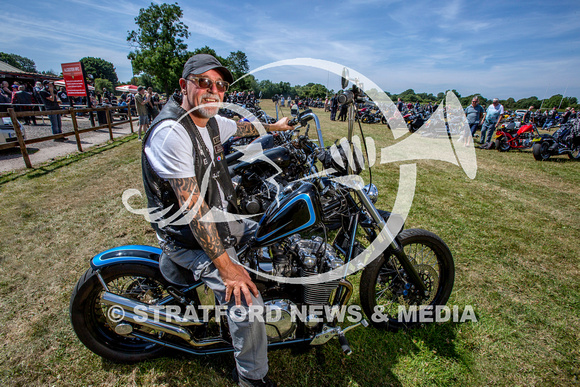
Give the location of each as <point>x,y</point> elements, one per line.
<point>281,125</point>
<point>236,279</point>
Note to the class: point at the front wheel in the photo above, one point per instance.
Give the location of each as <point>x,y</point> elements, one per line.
<point>541,151</point>
<point>90,317</point>
<point>501,144</point>
<point>384,287</point>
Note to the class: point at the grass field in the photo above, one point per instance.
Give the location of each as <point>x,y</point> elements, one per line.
<point>514,233</point>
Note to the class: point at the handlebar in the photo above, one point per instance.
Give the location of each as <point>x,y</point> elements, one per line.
<point>303,119</point>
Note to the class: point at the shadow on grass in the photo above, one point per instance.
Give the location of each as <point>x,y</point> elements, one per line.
<point>559,159</point>
<point>378,358</point>
<point>61,162</point>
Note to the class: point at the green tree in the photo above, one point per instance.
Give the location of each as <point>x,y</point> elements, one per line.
<point>237,63</point>
<point>510,103</point>
<point>210,51</point>
<point>525,103</point>
<point>552,101</point>
<point>456,93</point>
<point>159,44</point>
<point>20,62</point>
<point>144,80</point>
<point>50,72</point>
<point>100,83</point>
<point>100,68</point>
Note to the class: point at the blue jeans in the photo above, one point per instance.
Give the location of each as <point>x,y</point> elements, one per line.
<point>248,337</point>
<point>473,128</point>
<point>333,114</point>
<point>487,128</point>
<point>55,123</point>
<point>548,124</point>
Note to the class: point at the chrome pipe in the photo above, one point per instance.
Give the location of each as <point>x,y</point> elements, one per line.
<point>170,329</point>
<point>130,305</point>
<point>318,130</point>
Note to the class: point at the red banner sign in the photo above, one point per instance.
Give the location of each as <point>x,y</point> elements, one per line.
<point>73,79</point>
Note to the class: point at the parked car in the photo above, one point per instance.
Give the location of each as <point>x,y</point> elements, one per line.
<point>7,133</point>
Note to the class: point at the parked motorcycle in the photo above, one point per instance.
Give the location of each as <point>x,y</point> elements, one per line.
<point>371,117</point>
<point>508,136</point>
<point>291,243</point>
<point>414,121</point>
<point>566,140</point>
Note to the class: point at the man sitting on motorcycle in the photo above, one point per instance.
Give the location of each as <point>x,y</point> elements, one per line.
<point>183,154</point>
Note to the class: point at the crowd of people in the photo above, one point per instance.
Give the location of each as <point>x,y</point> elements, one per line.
<point>48,97</point>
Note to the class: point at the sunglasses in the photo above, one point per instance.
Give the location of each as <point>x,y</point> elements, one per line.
<point>206,83</point>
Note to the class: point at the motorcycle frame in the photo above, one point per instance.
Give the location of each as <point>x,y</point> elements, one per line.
<point>514,141</point>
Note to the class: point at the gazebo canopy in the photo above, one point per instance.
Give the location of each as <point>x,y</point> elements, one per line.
<point>127,88</point>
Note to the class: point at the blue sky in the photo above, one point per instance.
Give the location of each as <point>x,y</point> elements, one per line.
<point>499,49</point>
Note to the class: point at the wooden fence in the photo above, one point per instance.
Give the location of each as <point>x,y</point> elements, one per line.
<point>21,142</point>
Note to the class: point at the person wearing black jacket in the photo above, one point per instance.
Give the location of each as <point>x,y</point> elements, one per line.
<point>50,101</point>
<point>528,115</point>
<point>333,107</point>
<point>566,116</point>
<point>22,97</point>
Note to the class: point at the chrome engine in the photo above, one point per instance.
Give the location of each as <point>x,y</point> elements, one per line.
<point>298,257</point>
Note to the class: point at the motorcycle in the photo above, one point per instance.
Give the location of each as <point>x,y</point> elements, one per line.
<point>125,310</point>
<point>508,136</point>
<point>566,140</point>
<point>370,117</point>
<point>274,161</point>
<point>414,121</point>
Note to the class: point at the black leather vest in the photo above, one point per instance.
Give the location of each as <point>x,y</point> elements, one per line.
<point>160,194</point>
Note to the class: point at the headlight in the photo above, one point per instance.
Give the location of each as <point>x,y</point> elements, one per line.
<point>372,192</point>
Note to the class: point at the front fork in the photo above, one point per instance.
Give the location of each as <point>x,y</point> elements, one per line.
<point>412,273</point>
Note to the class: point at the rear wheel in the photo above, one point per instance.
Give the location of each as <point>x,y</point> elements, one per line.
<point>541,151</point>
<point>384,285</point>
<point>90,318</point>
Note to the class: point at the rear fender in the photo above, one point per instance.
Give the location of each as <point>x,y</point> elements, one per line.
<point>544,137</point>
<point>146,255</point>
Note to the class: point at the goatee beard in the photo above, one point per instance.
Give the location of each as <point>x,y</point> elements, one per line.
<point>207,112</point>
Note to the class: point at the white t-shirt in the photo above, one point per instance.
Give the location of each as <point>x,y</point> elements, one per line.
<point>169,149</point>
<point>170,152</point>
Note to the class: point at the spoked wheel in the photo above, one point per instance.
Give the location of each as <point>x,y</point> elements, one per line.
<point>541,151</point>
<point>91,319</point>
<point>385,290</point>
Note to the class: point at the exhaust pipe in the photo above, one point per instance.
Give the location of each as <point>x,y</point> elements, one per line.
<point>153,319</point>
<point>152,312</point>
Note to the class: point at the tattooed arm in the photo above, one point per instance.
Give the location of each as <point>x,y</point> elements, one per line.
<point>246,129</point>
<point>235,277</point>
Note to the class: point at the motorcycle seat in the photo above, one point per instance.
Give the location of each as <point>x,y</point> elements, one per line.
<point>174,273</point>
